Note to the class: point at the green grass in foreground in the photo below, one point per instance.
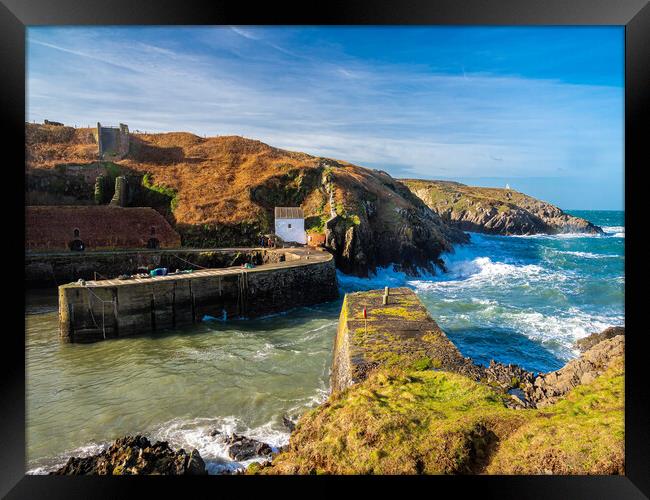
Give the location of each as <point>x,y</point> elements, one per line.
<point>399,423</point>
<point>433,422</point>
<point>582,434</point>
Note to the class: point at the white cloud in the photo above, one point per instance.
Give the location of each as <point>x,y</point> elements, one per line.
<point>399,117</point>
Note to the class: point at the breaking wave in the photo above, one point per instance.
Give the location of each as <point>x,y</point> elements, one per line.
<point>196,433</point>
<point>200,433</point>
<point>523,299</point>
<point>548,289</point>
<point>615,231</point>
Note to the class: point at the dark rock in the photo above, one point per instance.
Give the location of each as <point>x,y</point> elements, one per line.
<point>135,455</point>
<point>214,432</point>
<point>386,225</point>
<point>195,464</point>
<point>288,423</point>
<point>243,448</point>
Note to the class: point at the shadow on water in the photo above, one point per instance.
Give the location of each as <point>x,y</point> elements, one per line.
<point>38,301</point>
<point>279,322</point>
<point>506,346</point>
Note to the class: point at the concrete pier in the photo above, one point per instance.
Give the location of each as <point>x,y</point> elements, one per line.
<point>115,308</point>
<point>397,330</point>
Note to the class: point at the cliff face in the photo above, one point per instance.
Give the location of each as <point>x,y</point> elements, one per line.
<point>221,191</point>
<point>494,210</point>
<point>376,221</point>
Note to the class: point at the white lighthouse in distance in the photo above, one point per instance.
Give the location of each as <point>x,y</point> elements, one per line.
<point>507,186</point>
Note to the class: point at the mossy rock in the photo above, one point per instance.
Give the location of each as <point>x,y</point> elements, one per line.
<point>581,434</point>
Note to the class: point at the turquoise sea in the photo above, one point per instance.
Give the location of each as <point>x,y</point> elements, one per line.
<point>521,300</point>
<point>525,299</point>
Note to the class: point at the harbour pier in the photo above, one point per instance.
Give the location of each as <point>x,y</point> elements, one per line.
<point>96,310</point>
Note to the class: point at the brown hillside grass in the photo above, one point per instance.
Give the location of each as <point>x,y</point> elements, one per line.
<point>441,191</point>
<point>214,177</point>
<point>48,145</point>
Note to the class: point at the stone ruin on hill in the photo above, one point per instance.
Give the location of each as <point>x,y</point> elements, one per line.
<point>112,142</point>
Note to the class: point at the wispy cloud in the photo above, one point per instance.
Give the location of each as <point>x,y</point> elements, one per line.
<point>399,116</point>
<point>244,33</point>
<point>252,36</point>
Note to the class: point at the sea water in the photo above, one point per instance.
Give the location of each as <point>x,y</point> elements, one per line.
<point>521,300</point>
<point>525,299</point>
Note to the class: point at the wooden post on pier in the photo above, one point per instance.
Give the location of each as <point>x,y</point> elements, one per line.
<point>365,319</point>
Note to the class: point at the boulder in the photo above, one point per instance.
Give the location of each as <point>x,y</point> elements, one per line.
<point>135,455</point>
<point>288,423</point>
<point>244,448</point>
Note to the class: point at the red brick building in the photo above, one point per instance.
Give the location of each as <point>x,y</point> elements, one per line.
<point>56,228</point>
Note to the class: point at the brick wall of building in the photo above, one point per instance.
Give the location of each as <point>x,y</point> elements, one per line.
<point>52,228</point>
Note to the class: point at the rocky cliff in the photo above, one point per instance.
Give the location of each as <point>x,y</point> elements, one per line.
<point>494,210</point>
<point>221,191</point>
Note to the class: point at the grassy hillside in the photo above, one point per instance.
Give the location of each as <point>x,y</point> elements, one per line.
<point>582,434</point>
<point>222,192</point>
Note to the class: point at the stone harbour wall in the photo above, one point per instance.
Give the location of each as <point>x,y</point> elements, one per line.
<point>120,308</point>
<point>52,270</point>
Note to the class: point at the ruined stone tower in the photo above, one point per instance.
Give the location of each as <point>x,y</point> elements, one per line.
<point>112,142</point>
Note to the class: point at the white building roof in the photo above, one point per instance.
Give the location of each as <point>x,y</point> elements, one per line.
<point>289,213</point>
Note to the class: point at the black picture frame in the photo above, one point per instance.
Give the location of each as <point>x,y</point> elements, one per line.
<point>15,15</point>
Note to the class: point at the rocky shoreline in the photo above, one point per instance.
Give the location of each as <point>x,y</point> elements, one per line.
<point>137,455</point>
<point>548,388</point>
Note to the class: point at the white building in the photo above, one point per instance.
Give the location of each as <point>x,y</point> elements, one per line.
<point>290,224</point>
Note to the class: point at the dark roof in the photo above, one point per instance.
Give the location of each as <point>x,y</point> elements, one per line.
<point>289,213</point>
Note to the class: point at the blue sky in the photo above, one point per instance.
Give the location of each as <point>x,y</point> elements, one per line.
<point>539,108</point>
